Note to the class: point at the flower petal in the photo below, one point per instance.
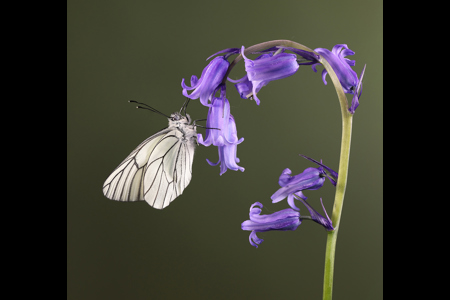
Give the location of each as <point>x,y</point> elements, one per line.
<point>290,200</point>
<point>284,177</point>
<point>254,240</point>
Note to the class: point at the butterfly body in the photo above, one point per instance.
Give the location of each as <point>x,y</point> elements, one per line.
<point>159,169</point>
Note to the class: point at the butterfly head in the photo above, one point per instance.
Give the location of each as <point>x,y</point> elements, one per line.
<point>176,119</point>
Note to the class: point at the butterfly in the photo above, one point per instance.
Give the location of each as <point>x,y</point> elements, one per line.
<point>160,168</point>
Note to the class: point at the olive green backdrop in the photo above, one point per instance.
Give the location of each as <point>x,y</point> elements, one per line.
<point>195,249</point>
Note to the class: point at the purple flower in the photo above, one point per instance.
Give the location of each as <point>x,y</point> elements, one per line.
<point>286,219</point>
<point>348,78</point>
<point>309,179</point>
<point>205,87</point>
<point>283,220</point>
<point>265,68</point>
<point>226,138</point>
<point>245,87</point>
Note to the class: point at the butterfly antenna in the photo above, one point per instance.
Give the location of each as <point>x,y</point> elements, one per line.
<point>148,107</point>
<point>185,105</point>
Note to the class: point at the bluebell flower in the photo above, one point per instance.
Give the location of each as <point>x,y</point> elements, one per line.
<point>226,138</point>
<point>270,66</point>
<point>265,68</point>
<point>283,220</point>
<point>212,75</point>
<point>309,179</point>
<point>348,78</point>
<point>286,219</point>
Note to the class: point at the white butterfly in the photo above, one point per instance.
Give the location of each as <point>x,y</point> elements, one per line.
<point>160,168</point>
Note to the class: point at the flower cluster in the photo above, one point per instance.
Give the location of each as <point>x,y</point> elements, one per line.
<point>272,64</point>
<point>221,128</point>
<point>292,187</point>
<point>277,61</point>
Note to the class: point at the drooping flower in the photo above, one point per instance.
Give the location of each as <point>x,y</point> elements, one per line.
<point>212,75</point>
<point>341,66</point>
<point>286,219</point>
<point>309,179</point>
<point>283,220</point>
<point>348,78</point>
<point>265,68</point>
<point>223,134</point>
<point>270,66</point>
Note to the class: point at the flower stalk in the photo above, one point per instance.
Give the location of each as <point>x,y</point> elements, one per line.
<point>338,204</point>
<point>344,155</point>
<point>341,184</point>
<point>273,64</point>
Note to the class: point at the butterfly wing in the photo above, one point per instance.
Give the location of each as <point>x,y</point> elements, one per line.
<point>157,171</point>
<point>169,169</point>
<point>126,182</point>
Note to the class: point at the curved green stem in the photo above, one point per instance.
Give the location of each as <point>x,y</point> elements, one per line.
<point>343,161</point>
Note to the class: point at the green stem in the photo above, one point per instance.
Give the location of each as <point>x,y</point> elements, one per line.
<point>337,208</point>
<point>343,161</point>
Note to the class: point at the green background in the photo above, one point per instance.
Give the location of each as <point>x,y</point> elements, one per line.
<point>195,249</point>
